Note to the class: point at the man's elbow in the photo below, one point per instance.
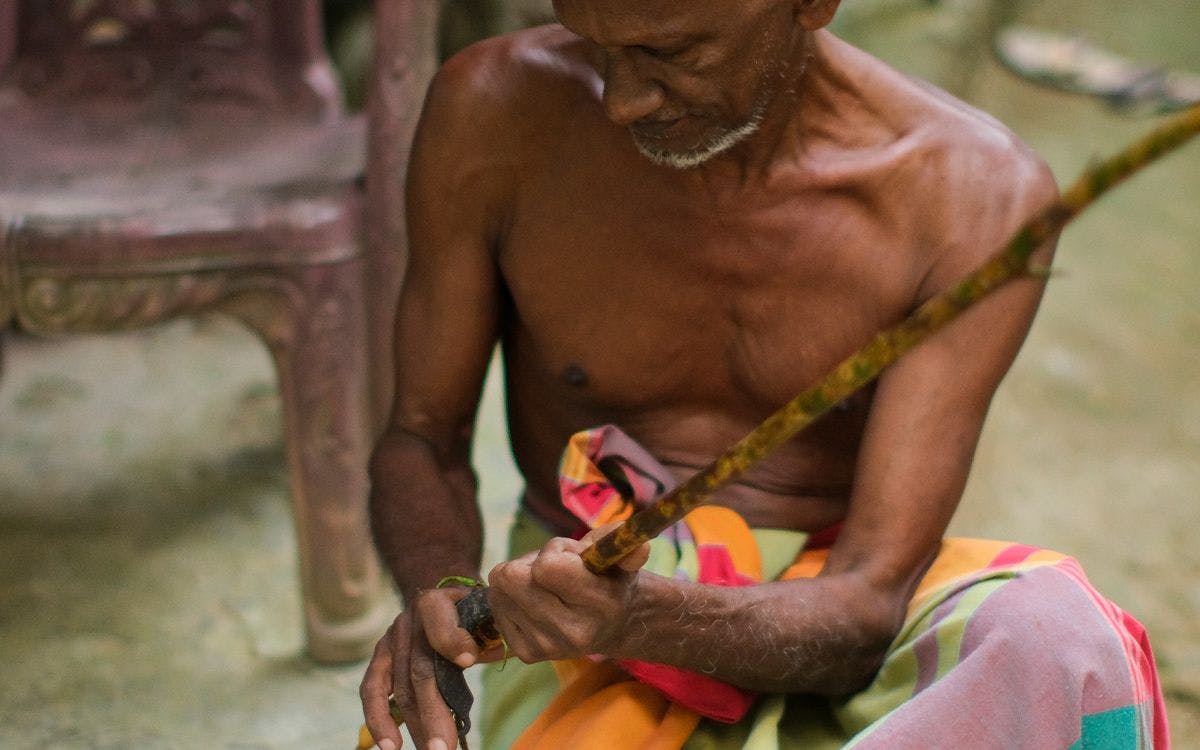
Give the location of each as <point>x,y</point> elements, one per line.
<point>870,627</point>
<point>397,455</point>
<point>861,661</point>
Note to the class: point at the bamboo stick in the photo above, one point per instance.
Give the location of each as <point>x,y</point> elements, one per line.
<point>856,371</point>
<point>865,365</point>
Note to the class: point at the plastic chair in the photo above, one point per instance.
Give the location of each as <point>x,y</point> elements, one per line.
<point>162,158</point>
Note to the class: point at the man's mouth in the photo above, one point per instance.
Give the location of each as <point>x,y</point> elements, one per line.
<point>658,130</point>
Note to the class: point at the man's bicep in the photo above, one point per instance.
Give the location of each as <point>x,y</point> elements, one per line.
<point>448,316</point>
<point>445,332</point>
<point>928,408</point>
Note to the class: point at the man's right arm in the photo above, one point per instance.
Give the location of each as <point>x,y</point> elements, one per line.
<point>424,513</point>
<point>423,508</point>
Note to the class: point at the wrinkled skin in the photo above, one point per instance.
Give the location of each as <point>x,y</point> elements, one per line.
<point>544,615</point>
<point>685,303</point>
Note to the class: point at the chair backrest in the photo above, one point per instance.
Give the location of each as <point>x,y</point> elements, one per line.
<point>260,54</point>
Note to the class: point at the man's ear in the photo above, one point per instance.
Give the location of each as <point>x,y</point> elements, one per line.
<point>815,14</point>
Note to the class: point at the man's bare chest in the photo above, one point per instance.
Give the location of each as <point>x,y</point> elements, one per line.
<point>658,301</point>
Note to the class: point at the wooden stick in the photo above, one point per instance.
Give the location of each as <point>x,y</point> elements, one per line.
<point>866,364</point>
<point>853,373</point>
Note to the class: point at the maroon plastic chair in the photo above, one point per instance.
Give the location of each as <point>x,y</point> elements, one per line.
<point>161,158</point>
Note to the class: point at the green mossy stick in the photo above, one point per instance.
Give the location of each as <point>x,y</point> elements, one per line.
<point>853,373</point>
<point>862,367</point>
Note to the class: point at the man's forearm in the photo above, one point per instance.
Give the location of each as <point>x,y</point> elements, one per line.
<point>424,514</point>
<point>795,636</point>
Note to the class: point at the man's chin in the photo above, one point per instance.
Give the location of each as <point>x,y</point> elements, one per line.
<point>656,151</point>
<point>672,158</point>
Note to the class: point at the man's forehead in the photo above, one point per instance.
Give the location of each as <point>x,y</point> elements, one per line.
<point>622,22</point>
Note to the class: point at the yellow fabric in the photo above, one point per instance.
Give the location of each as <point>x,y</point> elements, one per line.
<point>962,556</point>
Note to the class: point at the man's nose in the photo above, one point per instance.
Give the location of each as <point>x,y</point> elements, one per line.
<point>628,95</point>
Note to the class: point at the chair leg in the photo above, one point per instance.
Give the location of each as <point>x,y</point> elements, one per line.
<point>320,350</point>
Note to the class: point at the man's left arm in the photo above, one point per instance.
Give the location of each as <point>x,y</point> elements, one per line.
<point>826,634</point>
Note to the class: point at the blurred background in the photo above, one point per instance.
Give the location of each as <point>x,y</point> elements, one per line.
<point>148,592</point>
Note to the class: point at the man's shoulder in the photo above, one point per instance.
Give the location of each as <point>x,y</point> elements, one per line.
<point>970,152</point>
<point>963,180</point>
<point>976,184</point>
<point>942,129</point>
<point>976,148</point>
<point>514,74</point>
<point>968,167</point>
<point>980,176</point>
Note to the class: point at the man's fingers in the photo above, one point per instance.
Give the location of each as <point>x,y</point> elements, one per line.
<point>516,630</point>
<point>536,623</point>
<point>433,720</point>
<point>598,533</point>
<point>634,561</point>
<point>440,620</point>
<point>553,554</point>
<point>401,669</point>
<point>495,653</point>
<point>375,690</point>
<point>631,562</point>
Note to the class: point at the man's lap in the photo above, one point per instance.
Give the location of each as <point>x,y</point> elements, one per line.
<point>999,637</point>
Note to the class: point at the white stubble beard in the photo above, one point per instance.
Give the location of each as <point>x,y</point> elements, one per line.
<point>718,144</point>
<point>696,156</point>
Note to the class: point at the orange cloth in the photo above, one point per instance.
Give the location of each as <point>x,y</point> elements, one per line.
<point>601,707</point>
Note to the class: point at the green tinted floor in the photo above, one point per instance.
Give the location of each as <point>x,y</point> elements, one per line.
<point>147,566</point>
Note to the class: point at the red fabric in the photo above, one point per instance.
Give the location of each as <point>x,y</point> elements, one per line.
<point>824,538</point>
<point>694,691</point>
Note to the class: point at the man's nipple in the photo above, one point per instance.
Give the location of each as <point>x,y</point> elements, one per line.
<point>574,376</point>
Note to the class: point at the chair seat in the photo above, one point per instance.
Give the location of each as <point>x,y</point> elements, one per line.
<point>159,160</point>
<point>217,192</point>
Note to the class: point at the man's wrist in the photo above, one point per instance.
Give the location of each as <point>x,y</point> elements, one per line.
<point>649,594</point>
<point>431,578</point>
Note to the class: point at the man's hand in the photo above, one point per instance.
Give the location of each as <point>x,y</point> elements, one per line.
<point>402,668</point>
<point>548,605</point>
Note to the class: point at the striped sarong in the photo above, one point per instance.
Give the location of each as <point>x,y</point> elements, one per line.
<point>1003,646</point>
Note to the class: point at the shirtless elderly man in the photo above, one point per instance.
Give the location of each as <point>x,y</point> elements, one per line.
<point>675,215</point>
